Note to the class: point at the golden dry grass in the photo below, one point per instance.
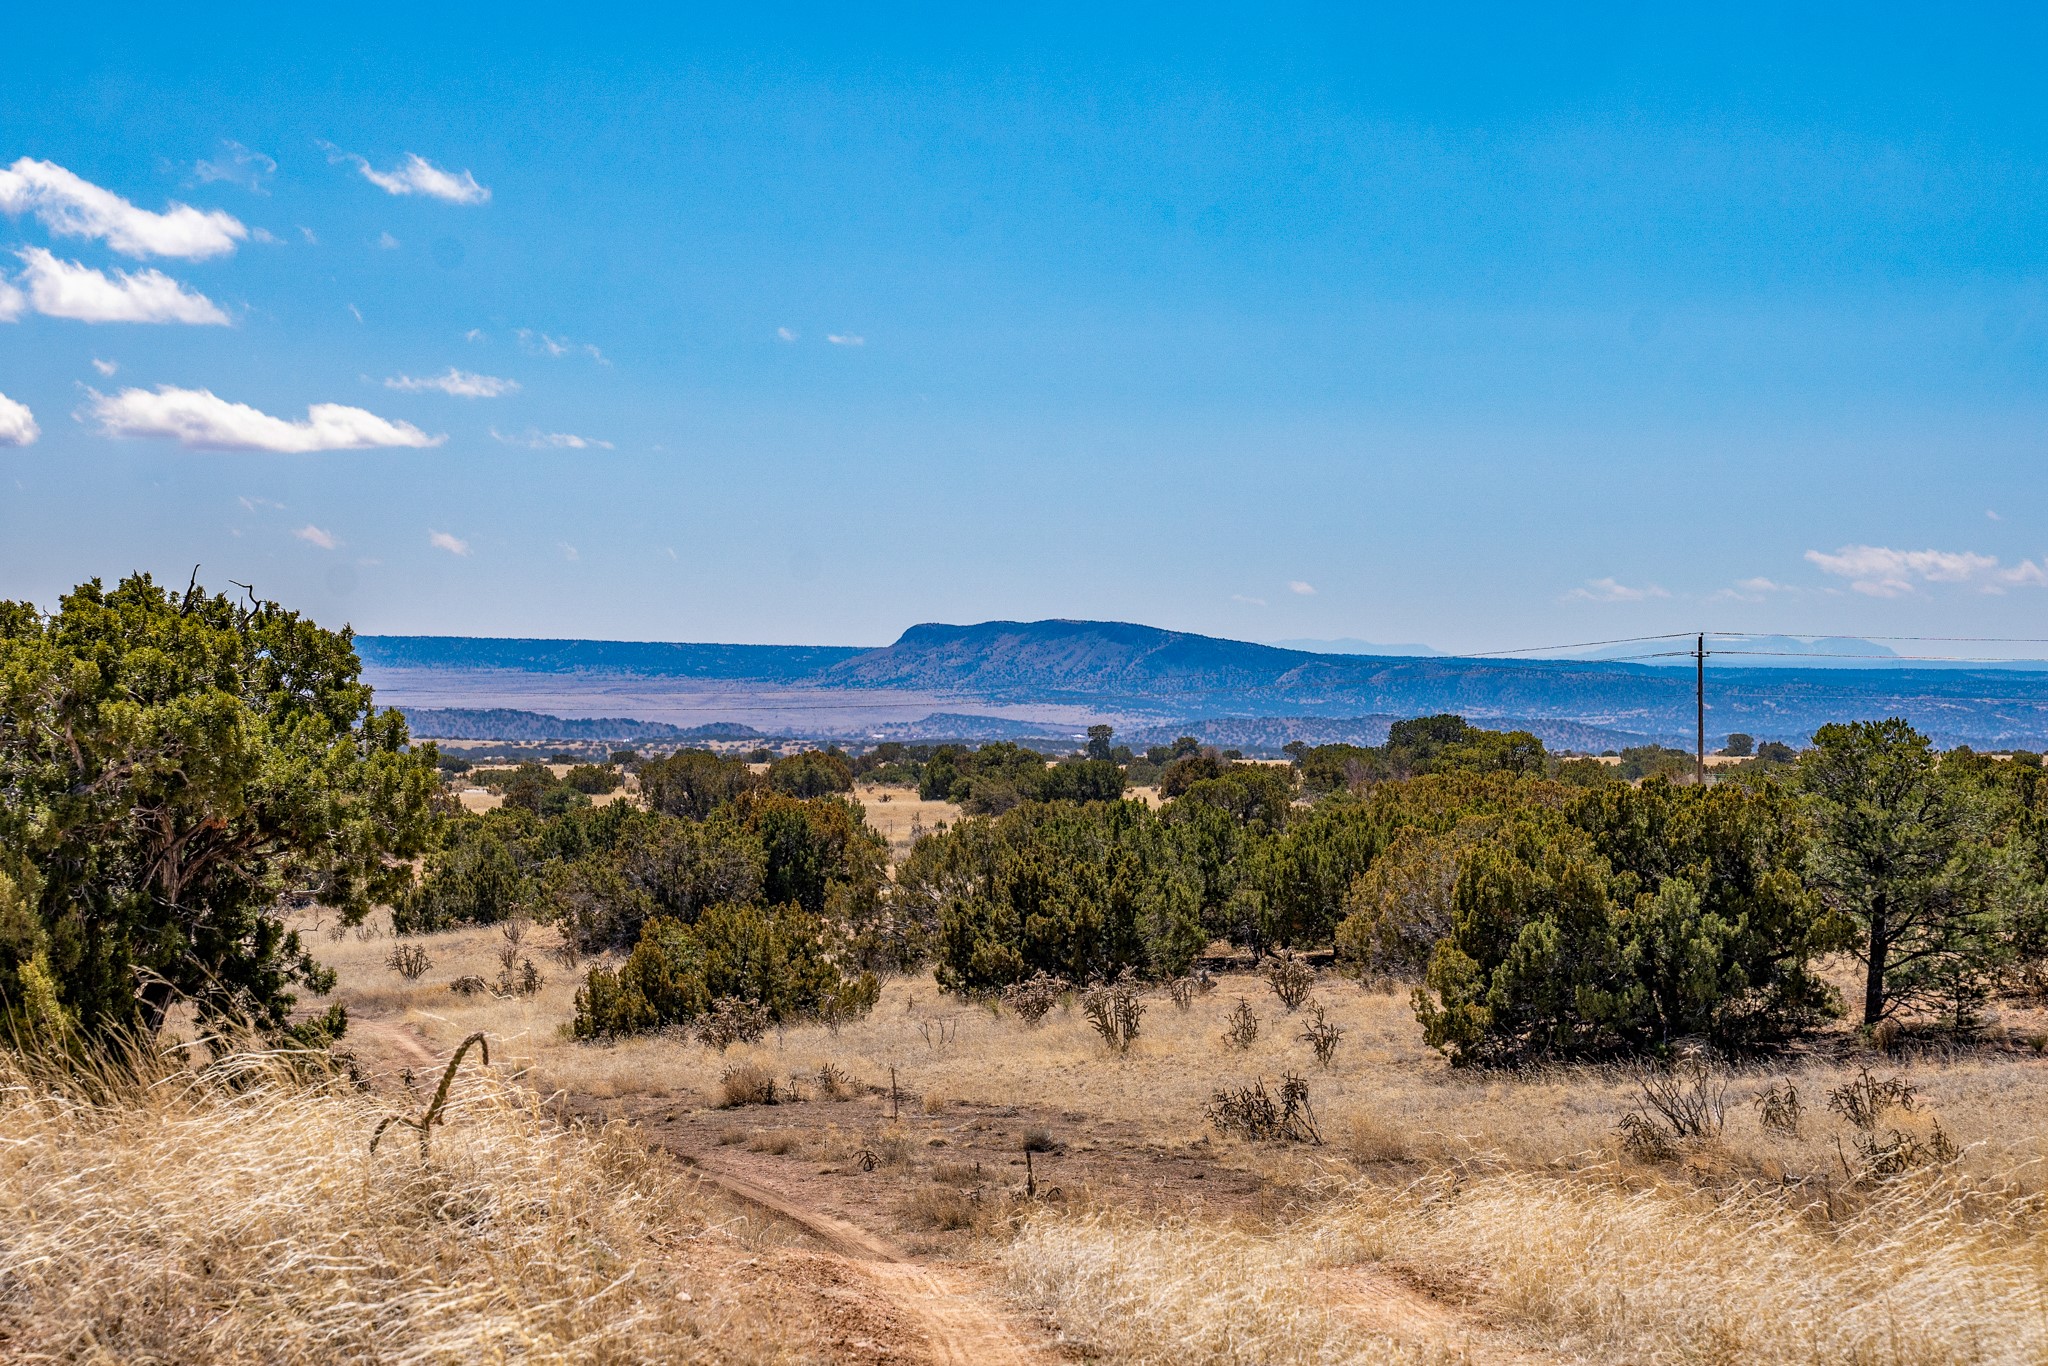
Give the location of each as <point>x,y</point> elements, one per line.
<point>151,1213</point>
<point>1931,1271</point>
<point>1510,1189</point>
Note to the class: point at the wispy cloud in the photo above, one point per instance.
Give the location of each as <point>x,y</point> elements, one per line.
<point>475,334</point>
<point>1755,590</point>
<point>1300,589</point>
<point>313,535</point>
<point>237,165</point>
<point>1882,572</point>
<point>198,420</point>
<point>67,289</point>
<point>105,367</point>
<point>845,339</point>
<point>386,242</point>
<point>442,540</point>
<point>787,334</point>
<point>541,344</point>
<point>1611,590</point>
<point>535,439</point>
<point>456,384</point>
<point>13,303</point>
<point>1248,601</point>
<point>568,551</point>
<point>17,423</point>
<point>416,175</point>
<point>73,207</point>
<point>250,504</point>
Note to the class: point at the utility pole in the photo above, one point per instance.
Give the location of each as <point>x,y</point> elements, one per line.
<point>1699,659</point>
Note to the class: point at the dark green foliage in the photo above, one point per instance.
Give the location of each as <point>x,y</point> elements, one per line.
<point>693,783</point>
<point>1739,746</point>
<point>1188,769</point>
<point>775,959</point>
<point>1632,919</point>
<point>1904,854</point>
<point>173,766</point>
<point>1077,891</point>
<point>1080,780</point>
<point>1339,768</point>
<point>813,773</point>
<point>477,878</point>
<point>593,779</point>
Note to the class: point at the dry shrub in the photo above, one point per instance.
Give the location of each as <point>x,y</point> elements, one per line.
<point>833,1083</point>
<point>409,960</point>
<point>1689,1099</point>
<point>1034,998</point>
<point>1779,1108</point>
<point>939,1033</point>
<point>730,1021</point>
<point>777,1142</point>
<point>470,985</point>
<point>1114,1009</point>
<point>1241,1028</point>
<point>1251,1112</point>
<point>941,1207</point>
<point>746,1083</point>
<point>235,1215</point>
<point>1292,979</point>
<point>1864,1099</point>
<point>1321,1035</point>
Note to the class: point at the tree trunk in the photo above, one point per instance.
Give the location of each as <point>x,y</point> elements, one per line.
<point>1880,949</point>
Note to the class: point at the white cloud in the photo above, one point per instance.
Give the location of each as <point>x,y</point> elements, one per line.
<point>475,334</point>
<point>1249,602</point>
<point>456,384</point>
<point>1306,590</point>
<point>313,535</point>
<point>787,334</point>
<point>541,344</point>
<point>441,540</point>
<point>255,504</point>
<point>17,423</point>
<point>198,420</point>
<point>568,551</point>
<point>357,312</point>
<point>13,303</point>
<point>312,240</point>
<point>1754,590</point>
<point>1882,572</point>
<point>72,207</point>
<point>266,237</point>
<point>1609,590</point>
<point>845,339</point>
<point>417,175</point>
<point>67,289</point>
<point>105,367</point>
<point>1993,515</point>
<point>237,165</point>
<point>386,242</point>
<point>534,439</point>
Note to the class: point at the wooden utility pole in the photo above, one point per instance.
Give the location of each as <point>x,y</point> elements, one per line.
<point>1699,756</point>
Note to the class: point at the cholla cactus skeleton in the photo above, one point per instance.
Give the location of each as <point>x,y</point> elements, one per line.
<point>432,1116</point>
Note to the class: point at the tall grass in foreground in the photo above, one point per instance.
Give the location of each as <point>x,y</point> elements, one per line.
<point>1188,1294</point>
<point>1928,1271</point>
<point>152,1213</point>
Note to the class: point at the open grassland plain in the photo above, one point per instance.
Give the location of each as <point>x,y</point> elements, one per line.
<point>1085,1199</point>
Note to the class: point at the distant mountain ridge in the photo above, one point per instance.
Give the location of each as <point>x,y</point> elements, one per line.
<point>505,723</point>
<point>1169,677</point>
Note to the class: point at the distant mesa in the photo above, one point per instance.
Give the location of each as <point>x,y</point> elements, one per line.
<point>1769,686</point>
<point>504,723</point>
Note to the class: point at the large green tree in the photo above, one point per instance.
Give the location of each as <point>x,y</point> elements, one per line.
<point>1903,852</point>
<point>174,768</point>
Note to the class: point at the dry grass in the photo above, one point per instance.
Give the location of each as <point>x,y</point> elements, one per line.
<point>1187,1294</point>
<point>1929,1271</point>
<point>1508,1190</point>
<point>153,1213</point>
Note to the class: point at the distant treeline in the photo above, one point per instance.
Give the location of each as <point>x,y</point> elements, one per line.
<point>502,723</point>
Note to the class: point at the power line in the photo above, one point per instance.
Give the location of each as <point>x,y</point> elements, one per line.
<point>1577,645</point>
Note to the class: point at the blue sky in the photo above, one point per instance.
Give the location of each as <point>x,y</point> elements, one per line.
<point>1473,327</point>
